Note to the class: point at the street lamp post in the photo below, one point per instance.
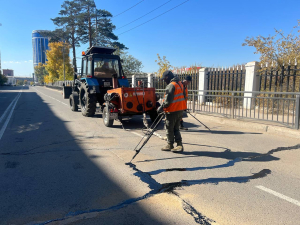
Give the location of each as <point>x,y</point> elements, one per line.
<point>64,38</point>
<point>64,62</point>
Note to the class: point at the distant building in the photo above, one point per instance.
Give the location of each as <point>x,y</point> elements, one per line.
<point>8,73</point>
<point>39,46</point>
<point>11,81</point>
<point>29,79</point>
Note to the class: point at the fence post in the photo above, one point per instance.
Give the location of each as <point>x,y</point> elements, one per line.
<point>150,80</point>
<point>193,107</point>
<point>232,106</point>
<point>202,85</point>
<point>133,81</point>
<point>297,112</point>
<point>251,84</point>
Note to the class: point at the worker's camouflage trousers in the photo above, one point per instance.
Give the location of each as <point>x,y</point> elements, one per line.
<point>172,127</point>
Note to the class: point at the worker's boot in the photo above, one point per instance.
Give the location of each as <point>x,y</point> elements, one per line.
<point>169,147</point>
<point>178,148</point>
<point>182,127</point>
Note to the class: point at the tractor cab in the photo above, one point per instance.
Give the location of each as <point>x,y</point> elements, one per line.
<point>99,65</point>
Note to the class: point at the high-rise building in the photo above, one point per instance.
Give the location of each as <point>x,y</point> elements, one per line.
<point>40,46</point>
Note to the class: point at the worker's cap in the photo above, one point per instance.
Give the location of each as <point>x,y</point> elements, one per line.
<point>167,73</point>
<point>188,78</point>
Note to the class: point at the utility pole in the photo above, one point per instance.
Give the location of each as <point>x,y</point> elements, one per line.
<point>64,61</point>
<point>64,54</point>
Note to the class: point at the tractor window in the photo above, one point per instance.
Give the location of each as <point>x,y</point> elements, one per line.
<point>105,68</point>
<point>89,68</point>
<point>83,68</point>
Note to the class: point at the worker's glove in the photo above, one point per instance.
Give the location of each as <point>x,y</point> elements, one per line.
<point>160,109</point>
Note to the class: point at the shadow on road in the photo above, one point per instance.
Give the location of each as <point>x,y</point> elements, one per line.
<point>46,175</point>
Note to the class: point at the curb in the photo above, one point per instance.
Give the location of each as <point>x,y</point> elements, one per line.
<point>268,127</point>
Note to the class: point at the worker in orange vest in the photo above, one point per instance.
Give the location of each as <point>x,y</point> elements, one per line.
<point>174,103</point>
<point>185,83</point>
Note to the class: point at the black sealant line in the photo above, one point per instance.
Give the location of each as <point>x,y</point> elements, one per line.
<point>169,188</point>
<point>198,217</point>
<point>157,188</point>
<point>279,149</point>
<point>229,163</point>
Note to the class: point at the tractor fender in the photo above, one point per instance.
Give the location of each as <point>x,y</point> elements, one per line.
<point>93,85</point>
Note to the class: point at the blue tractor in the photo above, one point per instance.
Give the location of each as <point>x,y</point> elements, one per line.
<point>100,71</point>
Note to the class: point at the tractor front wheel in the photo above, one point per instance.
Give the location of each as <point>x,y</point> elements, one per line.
<point>87,101</point>
<point>107,122</point>
<point>73,102</point>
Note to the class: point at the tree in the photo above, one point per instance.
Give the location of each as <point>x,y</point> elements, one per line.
<point>163,64</point>
<point>130,64</point>
<point>3,79</point>
<point>57,61</point>
<point>69,20</point>
<point>19,82</point>
<point>277,49</point>
<point>97,28</point>
<point>40,72</point>
<point>25,81</point>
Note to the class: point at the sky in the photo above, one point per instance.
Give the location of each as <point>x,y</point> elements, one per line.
<point>197,32</point>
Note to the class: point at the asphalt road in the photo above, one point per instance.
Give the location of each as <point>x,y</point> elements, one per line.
<point>58,167</point>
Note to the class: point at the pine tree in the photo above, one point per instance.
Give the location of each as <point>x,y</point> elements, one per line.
<point>69,21</point>
<point>97,27</point>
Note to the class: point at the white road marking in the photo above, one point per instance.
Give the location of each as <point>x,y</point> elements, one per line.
<point>2,117</point>
<point>10,114</point>
<point>51,97</point>
<point>284,197</point>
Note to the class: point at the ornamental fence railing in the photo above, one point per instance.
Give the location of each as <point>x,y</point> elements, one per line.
<point>281,107</point>
<point>286,78</point>
<point>226,79</point>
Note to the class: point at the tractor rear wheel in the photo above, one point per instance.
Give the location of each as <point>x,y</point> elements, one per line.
<point>107,122</point>
<point>87,101</point>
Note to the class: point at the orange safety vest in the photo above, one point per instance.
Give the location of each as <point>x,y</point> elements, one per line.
<point>179,102</point>
<point>186,93</point>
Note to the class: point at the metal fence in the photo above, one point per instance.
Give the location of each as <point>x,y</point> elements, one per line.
<point>230,79</point>
<point>129,81</point>
<point>143,79</point>
<point>158,83</point>
<point>286,78</point>
<point>60,83</point>
<point>194,84</point>
<point>279,107</point>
